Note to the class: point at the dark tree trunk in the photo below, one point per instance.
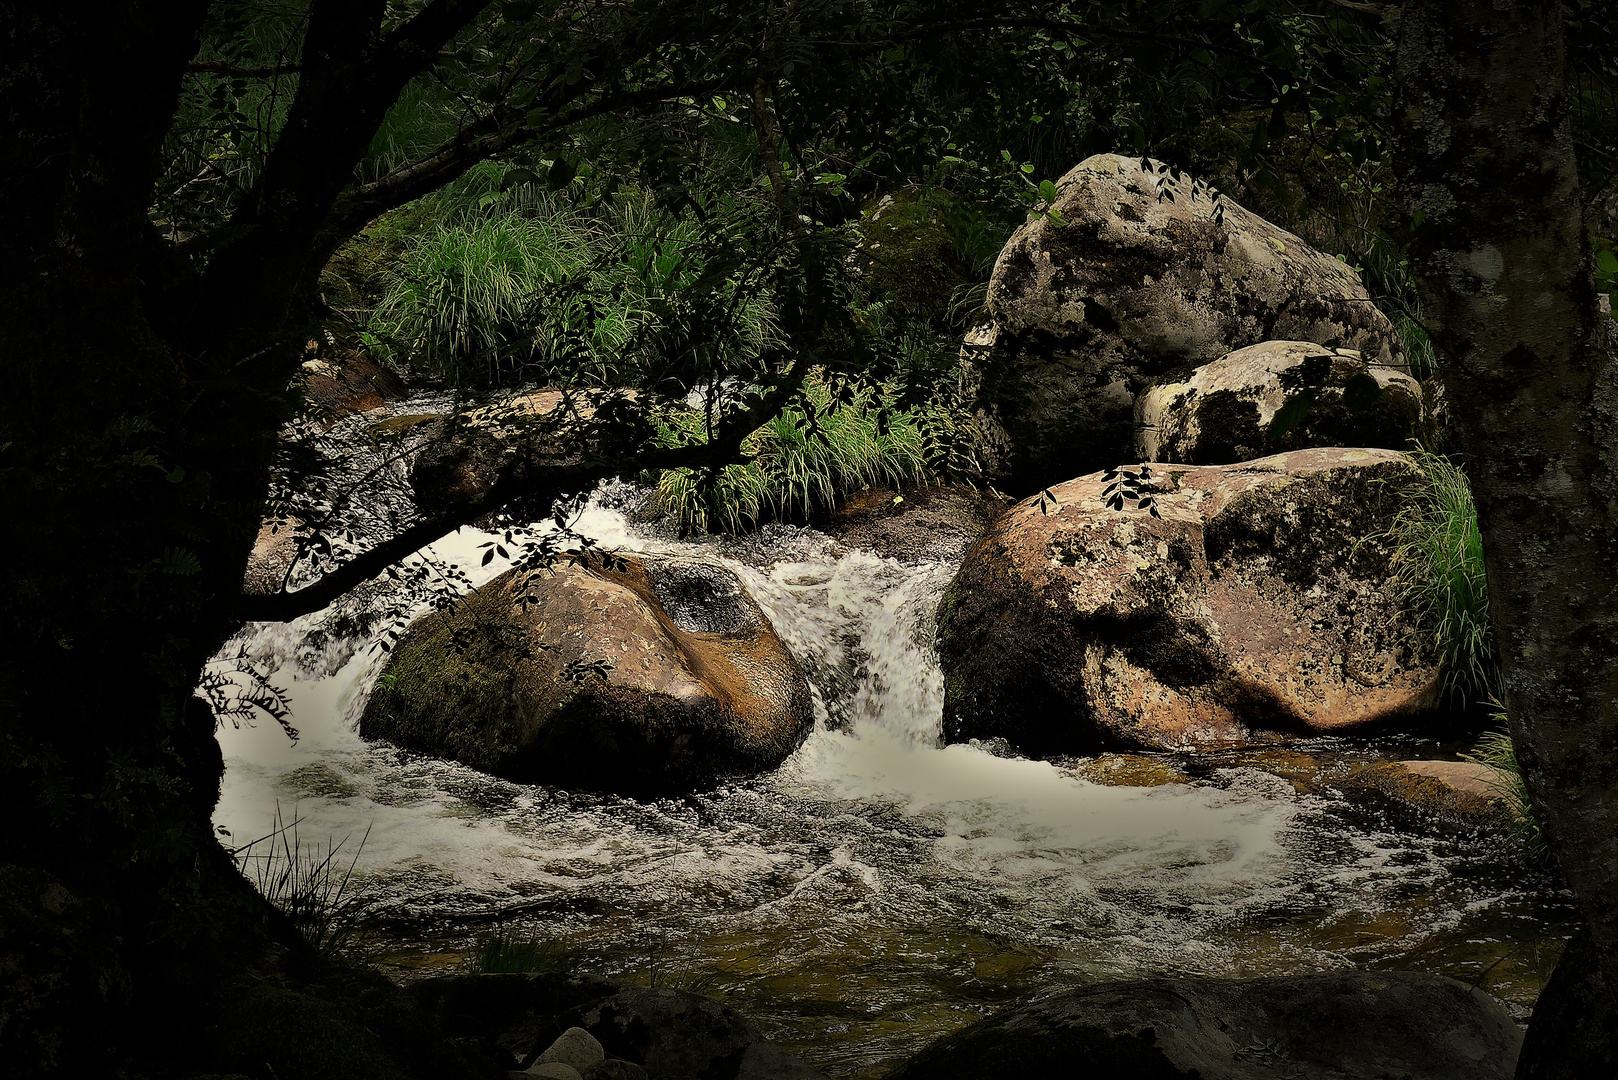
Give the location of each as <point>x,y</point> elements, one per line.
<point>1486,165</point>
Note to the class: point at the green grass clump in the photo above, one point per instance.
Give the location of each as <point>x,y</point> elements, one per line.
<point>1438,563</point>
<point>1497,752</point>
<point>462,303</point>
<point>810,455</point>
<point>507,952</point>
<point>310,883</point>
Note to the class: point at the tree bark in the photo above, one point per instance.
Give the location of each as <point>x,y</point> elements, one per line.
<point>1486,165</point>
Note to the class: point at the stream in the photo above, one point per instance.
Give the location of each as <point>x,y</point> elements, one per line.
<point>876,890</point>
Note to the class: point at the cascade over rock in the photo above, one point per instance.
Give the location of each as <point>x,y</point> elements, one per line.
<point>623,676</point>
<point>1346,1025</point>
<point>1215,606</point>
<point>1273,397</point>
<point>1130,286</point>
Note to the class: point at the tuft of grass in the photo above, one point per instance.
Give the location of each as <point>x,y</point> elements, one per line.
<point>309,883</point>
<point>1496,751</point>
<point>809,456</point>
<point>507,952</point>
<point>1438,564</point>
<point>462,301</point>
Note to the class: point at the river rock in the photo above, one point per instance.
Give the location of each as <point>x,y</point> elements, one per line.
<point>1573,1034</point>
<point>576,1048</point>
<point>552,1070</point>
<point>349,383</point>
<point>914,523</point>
<point>1127,287</point>
<point>1351,1025</point>
<point>1273,397</point>
<point>1444,796</point>
<point>1217,606</point>
<point>677,1034</point>
<point>620,675</point>
<point>269,565</point>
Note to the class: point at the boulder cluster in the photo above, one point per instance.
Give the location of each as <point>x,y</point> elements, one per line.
<point>1234,408</point>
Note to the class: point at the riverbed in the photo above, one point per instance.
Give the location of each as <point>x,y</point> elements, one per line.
<point>878,889</point>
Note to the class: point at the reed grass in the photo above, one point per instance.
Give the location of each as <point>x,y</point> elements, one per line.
<point>310,883</point>
<point>1438,564</point>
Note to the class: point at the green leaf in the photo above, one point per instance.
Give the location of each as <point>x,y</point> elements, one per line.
<point>1290,415</point>
<point>516,178</point>
<point>1047,191</point>
<point>562,173</point>
<point>178,561</point>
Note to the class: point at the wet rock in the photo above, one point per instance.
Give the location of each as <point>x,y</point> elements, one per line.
<point>1274,397</point>
<point>1219,606</point>
<point>576,1048</point>
<point>1126,289</point>
<point>631,676</point>
<point>1129,770</point>
<point>675,1034</point>
<point>915,523</point>
<point>1450,796</point>
<point>517,439</point>
<point>351,383</point>
<point>1353,1025</point>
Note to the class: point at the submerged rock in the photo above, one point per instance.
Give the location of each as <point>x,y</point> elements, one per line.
<point>633,676</point>
<point>1450,796</point>
<point>1215,606</point>
<point>1127,287</point>
<point>1274,397</point>
<point>1352,1025</point>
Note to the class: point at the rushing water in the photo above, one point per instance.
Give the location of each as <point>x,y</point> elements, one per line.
<point>877,889</point>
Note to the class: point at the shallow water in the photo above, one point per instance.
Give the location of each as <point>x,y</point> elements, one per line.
<point>876,890</point>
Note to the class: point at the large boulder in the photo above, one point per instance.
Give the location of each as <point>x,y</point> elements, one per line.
<point>1183,608</point>
<point>1129,285</point>
<point>1273,397</point>
<point>1350,1025</point>
<point>625,676</point>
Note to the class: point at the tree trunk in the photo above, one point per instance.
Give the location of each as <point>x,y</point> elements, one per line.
<point>1486,165</point>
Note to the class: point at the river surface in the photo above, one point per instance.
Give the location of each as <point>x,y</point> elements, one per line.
<point>876,890</point>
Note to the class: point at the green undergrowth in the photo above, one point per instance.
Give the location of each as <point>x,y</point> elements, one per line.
<point>1496,751</point>
<point>1438,564</point>
<point>504,281</point>
<point>809,456</point>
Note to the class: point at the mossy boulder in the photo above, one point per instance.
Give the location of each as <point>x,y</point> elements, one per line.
<point>1189,608</point>
<point>625,676</point>
<point>1127,286</point>
<point>1438,796</point>
<point>1273,397</point>
<point>1346,1025</point>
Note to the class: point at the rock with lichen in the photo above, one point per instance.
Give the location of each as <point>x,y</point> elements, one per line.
<point>624,675</point>
<point>1135,276</point>
<point>1273,397</point>
<point>1188,608</point>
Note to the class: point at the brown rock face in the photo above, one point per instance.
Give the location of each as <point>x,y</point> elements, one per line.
<point>1131,287</point>
<point>635,677</point>
<point>1273,397</point>
<point>1258,605</point>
